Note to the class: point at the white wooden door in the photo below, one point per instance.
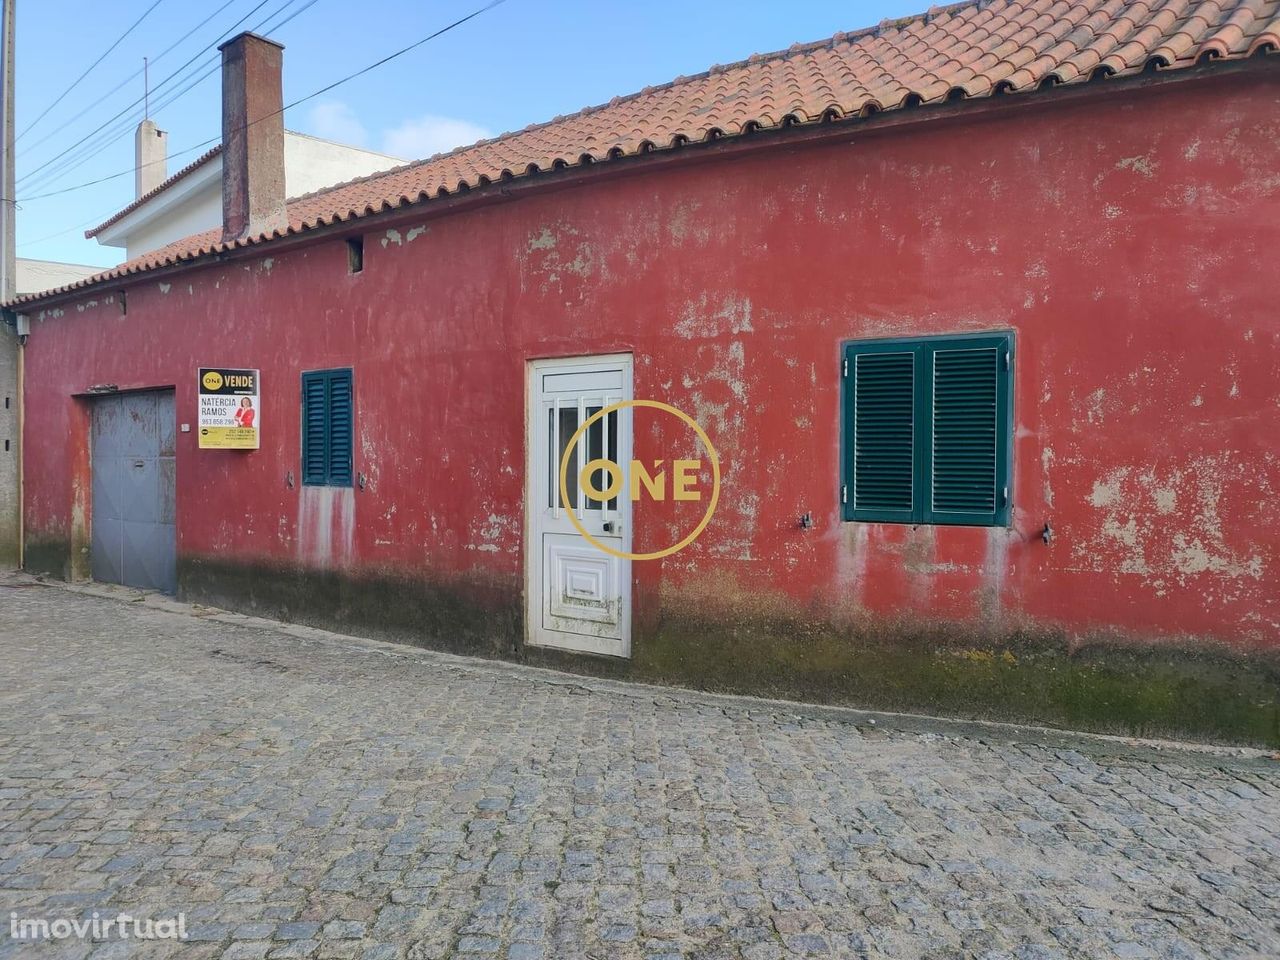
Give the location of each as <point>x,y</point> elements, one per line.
<point>579,596</point>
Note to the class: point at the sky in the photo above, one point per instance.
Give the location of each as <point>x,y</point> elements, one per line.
<point>522,62</point>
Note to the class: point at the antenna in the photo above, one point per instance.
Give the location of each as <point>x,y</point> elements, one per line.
<point>146,92</point>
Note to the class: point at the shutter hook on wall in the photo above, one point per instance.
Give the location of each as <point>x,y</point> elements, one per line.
<point>1046,534</point>
<point>288,479</point>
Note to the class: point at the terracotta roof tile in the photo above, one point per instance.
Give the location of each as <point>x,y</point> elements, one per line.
<point>976,49</point>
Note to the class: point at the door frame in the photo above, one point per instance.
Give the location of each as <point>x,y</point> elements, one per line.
<point>533,572</point>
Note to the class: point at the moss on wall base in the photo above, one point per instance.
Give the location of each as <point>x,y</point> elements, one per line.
<point>8,546</point>
<point>975,671</point>
<point>47,556</point>
<point>472,615</point>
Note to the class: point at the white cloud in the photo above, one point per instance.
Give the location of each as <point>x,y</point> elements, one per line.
<point>412,139</point>
<point>430,134</point>
<point>335,120</point>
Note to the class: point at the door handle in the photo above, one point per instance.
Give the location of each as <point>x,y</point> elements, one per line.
<point>611,526</point>
<point>139,463</point>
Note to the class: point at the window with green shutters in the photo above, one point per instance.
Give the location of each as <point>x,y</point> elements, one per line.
<point>927,431</point>
<point>327,428</point>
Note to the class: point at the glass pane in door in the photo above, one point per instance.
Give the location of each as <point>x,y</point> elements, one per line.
<point>595,450</point>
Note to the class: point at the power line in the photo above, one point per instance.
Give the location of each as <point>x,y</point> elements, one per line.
<point>139,101</point>
<point>311,96</point>
<point>133,76</point>
<point>79,226</point>
<point>274,27</point>
<point>399,53</point>
<point>75,83</point>
<point>92,149</point>
<point>93,146</point>
<point>43,168</point>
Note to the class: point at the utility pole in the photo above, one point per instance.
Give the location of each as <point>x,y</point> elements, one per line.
<point>8,218</point>
<point>10,342</point>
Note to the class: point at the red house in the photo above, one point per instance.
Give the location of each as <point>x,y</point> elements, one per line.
<point>974,309</point>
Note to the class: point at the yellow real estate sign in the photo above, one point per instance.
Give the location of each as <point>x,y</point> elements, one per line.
<point>228,418</point>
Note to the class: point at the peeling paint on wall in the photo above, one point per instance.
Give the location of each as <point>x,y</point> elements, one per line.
<point>1164,526</point>
<point>701,320</point>
<point>326,526</point>
<point>496,532</point>
<point>1142,165</point>
<point>544,240</point>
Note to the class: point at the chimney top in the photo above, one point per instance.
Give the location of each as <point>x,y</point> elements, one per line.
<point>150,148</point>
<point>249,35</point>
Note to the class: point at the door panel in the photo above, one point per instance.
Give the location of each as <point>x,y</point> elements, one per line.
<point>579,595</point>
<point>168,481</point>
<point>134,477</point>
<point>147,561</point>
<point>107,551</point>
<point>581,583</point>
<point>108,488</point>
<point>137,425</point>
<point>140,489</point>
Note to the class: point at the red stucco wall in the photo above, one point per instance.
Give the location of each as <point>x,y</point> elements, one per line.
<point>1128,240</point>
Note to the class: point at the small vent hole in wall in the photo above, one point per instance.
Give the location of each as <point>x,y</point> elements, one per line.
<point>355,254</point>
<point>6,446</point>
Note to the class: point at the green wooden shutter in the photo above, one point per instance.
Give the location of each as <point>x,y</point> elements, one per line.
<point>928,429</point>
<point>968,431</point>
<point>315,428</point>
<point>328,426</point>
<point>881,407</point>
<point>340,428</point>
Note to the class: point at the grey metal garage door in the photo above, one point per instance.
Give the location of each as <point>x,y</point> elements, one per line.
<point>134,537</point>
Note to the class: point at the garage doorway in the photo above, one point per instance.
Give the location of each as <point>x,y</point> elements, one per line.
<point>132,459</point>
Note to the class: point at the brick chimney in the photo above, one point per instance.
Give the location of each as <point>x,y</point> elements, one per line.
<point>151,154</point>
<point>252,137</point>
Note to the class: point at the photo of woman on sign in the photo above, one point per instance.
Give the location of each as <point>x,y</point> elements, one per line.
<point>244,415</point>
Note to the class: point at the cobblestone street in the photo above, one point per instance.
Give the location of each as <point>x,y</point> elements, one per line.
<point>296,795</point>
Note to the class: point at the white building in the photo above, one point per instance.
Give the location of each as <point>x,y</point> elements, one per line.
<point>190,201</point>
<point>32,276</point>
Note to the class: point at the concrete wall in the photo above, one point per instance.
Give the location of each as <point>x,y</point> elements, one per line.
<point>1119,237</point>
<point>9,438</point>
<point>312,164</point>
<point>199,210</point>
<point>33,276</point>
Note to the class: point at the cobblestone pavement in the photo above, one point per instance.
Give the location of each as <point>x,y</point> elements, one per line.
<point>300,795</point>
